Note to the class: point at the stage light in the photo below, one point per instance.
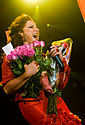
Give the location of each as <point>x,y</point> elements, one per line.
<point>37,6</point>
<point>48,25</point>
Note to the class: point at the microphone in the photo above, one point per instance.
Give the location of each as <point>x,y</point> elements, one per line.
<point>59,61</point>
<point>56,58</point>
<point>63,45</point>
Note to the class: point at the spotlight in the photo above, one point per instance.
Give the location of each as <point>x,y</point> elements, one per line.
<point>48,25</point>
<point>37,6</point>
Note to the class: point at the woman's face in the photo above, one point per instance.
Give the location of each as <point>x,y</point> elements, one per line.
<point>30,32</point>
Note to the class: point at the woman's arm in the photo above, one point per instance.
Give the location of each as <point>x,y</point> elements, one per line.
<point>63,75</point>
<point>18,82</point>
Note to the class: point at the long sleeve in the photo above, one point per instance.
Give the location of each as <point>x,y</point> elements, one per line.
<point>7,74</point>
<point>64,75</point>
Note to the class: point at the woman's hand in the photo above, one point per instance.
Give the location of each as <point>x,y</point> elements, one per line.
<point>18,82</point>
<point>31,69</point>
<point>55,51</point>
<point>45,82</point>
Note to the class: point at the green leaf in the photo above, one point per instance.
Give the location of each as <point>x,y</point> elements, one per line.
<point>19,63</point>
<point>47,62</point>
<point>17,72</point>
<point>23,94</point>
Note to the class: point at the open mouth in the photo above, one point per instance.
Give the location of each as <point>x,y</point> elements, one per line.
<point>35,35</point>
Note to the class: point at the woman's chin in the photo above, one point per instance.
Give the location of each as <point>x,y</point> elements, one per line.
<point>31,41</point>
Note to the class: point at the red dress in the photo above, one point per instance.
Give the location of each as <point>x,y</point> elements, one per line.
<point>35,110</point>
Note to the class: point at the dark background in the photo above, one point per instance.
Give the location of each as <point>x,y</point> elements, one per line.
<point>65,20</point>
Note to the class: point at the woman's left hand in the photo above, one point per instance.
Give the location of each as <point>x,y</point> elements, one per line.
<point>45,82</point>
<point>55,51</point>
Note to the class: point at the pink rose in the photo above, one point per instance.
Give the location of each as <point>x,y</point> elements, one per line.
<point>36,43</point>
<point>24,53</point>
<point>31,45</point>
<point>17,49</point>
<point>31,52</point>
<point>9,57</point>
<point>42,43</point>
<point>26,46</point>
<point>25,50</point>
<point>13,55</point>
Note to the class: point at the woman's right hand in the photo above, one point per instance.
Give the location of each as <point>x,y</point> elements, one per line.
<point>31,69</point>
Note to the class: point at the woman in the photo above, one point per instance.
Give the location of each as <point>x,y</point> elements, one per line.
<point>23,30</point>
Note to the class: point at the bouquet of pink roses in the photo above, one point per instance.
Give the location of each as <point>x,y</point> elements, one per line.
<point>25,54</point>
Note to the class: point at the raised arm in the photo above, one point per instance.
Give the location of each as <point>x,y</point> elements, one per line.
<point>62,75</point>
